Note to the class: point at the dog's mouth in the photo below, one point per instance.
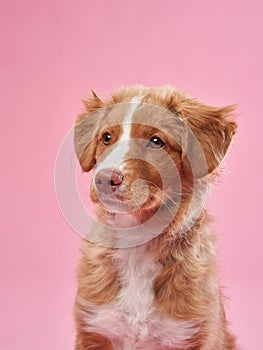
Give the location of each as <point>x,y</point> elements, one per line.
<point>128,201</point>
<point>122,201</point>
<point>126,196</point>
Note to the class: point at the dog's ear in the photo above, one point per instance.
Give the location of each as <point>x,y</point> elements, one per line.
<point>208,135</point>
<point>86,131</point>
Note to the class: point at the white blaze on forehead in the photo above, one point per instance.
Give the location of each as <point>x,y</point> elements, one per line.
<point>120,149</point>
<point>126,125</point>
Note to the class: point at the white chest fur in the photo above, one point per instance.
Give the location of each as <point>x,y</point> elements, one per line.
<point>131,321</point>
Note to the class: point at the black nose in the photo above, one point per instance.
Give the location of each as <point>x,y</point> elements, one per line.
<point>108,180</point>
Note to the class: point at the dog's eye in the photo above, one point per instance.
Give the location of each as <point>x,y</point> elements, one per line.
<point>156,142</point>
<point>106,138</point>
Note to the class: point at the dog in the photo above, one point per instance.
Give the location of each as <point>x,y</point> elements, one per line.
<point>147,278</point>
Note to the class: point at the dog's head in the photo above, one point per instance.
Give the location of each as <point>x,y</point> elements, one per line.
<point>148,146</point>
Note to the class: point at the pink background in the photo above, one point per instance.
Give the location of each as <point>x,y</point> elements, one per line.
<point>52,52</point>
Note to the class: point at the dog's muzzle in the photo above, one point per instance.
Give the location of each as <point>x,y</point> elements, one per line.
<point>107,181</point>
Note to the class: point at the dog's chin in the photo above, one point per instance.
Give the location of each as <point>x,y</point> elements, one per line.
<point>128,213</point>
<point>116,206</point>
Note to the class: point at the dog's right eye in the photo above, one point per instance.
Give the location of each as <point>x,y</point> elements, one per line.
<point>106,138</point>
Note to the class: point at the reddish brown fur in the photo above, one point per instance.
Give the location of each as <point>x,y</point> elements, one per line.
<point>91,341</point>
<point>187,287</point>
<point>98,283</point>
<point>97,277</point>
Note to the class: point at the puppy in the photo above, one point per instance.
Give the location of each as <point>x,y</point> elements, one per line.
<point>147,278</point>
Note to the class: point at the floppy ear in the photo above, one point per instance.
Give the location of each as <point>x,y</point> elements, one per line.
<point>86,131</point>
<point>209,137</point>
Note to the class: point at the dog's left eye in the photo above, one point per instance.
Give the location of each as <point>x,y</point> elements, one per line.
<point>156,142</point>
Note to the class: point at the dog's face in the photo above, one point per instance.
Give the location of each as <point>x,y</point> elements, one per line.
<point>147,147</point>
